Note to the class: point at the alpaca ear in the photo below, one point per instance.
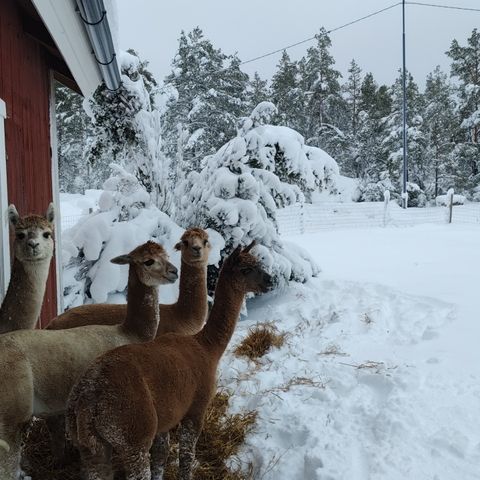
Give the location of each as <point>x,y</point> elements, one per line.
<point>13,215</point>
<point>247,249</point>
<point>122,260</point>
<point>178,246</point>
<point>50,215</point>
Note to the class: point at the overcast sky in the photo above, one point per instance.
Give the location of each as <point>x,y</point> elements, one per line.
<point>254,27</point>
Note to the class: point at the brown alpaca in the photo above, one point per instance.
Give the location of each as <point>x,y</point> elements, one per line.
<point>130,398</point>
<point>38,368</point>
<point>33,250</point>
<point>187,316</point>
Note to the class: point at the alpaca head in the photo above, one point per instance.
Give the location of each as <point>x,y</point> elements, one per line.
<point>246,272</point>
<point>194,246</point>
<point>150,262</point>
<point>33,235</point>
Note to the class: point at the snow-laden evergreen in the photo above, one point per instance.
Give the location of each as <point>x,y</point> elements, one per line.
<point>125,218</point>
<point>126,127</point>
<point>241,187</point>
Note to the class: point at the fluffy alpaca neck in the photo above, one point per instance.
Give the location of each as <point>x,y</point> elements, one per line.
<point>223,317</point>
<point>192,292</point>
<point>23,301</point>
<point>143,312</point>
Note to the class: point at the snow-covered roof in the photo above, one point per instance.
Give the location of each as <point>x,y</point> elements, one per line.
<point>63,21</point>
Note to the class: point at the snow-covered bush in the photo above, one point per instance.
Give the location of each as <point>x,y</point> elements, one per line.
<point>126,218</point>
<point>282,151</point>
<point>238,193</point>
<point>416,196</point>
<point>374,191</point>
<point>441,200</point>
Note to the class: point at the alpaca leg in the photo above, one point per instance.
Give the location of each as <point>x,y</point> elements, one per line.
<point>10,450</point>
<point>159,455</point>
<point>135,464</point>
<point>95,467</point>
<point>59,445</point>
<point>188,436</point>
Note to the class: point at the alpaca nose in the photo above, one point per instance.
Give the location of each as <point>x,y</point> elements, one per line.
<point>33,244</point>
<point>196,248</point>
<point>172,271</point>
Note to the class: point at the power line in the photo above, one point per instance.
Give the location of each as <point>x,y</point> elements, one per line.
<point>345,25</point>
<point>449,7</point>
<point>328,31</point>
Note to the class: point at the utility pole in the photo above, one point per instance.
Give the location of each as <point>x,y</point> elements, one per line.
<point>405,152</point>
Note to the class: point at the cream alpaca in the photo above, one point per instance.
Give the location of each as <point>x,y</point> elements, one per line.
<point>38,367</point>
<point>33,250</point>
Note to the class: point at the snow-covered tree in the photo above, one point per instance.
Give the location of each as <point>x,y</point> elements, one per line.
<point>466,68</point>
<point>72,132</point>
<point>257,91</point>
<point>349,155</point>
<point>238,193</point>
<point>210,95</point>
<point>440,128</point>
<point>286,94</point>
<point>126,127</point>
<point>375,105</point>
<point>392,144</point>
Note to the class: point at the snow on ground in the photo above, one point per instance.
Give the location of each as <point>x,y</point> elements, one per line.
<point>379,378</point>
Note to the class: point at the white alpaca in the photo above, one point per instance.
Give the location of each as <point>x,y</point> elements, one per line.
<point>33,250</point>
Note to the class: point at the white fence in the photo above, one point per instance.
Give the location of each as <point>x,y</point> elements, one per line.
<point>308,218</point>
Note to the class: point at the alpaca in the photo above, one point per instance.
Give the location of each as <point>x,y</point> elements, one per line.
<point>39,367</point>
<point>33,250</point>
<point>128,400</point>
<point>187,316</point>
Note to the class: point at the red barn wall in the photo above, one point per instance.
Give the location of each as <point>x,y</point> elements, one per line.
<point>25,88</point>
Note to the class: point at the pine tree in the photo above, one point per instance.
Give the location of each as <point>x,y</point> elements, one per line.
<point>328,111</point>
<point>210,97</point>
<point>440,128</point>
<point>126,127</point>
<point>72,132</point>
<point>466,67</point>
<point>375,105</point>
<point>392,144</point>
<point>322,85</point>
<point>352,95</point>
<point>257,91</point>
<point>285,92</point>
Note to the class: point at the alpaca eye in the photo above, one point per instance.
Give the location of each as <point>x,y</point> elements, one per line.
<point>247,270</point>
<point>205,243</point>
<point>20,236</point>
<point>47,235</point>
<point>149,263</point>
<point>185,243</point>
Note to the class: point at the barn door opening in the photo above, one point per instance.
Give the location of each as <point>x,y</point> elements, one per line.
<point>4,238</point>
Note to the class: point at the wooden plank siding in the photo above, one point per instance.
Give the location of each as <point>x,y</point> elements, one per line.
<point>25,88</point>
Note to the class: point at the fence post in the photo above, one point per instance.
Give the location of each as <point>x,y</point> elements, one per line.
<point>386,196</point>
<point>450,204</point>
<point>302,218</point>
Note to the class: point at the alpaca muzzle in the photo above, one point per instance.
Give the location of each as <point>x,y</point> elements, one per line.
<point>4,445</point>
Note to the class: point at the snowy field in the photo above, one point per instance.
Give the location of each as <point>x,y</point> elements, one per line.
<point>379,378</point>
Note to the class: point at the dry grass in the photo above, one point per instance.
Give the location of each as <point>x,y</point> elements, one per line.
<point>37,459</point>
<point>222,436</point>
<point>260,339</point>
